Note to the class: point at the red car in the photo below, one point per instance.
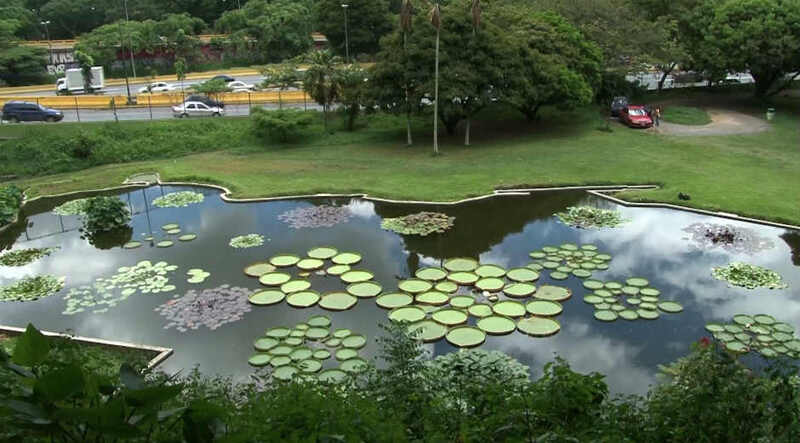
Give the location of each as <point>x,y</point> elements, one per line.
<point>635,117</point>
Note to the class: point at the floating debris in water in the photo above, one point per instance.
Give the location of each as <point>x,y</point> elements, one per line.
<point>211,308</point>
<point>421,223</point>
<point>22,257</point>
<point>178,199</point>
<point>728,237</point>
<point>323,216</point>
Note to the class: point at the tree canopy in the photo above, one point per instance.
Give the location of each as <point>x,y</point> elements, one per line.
<point>367,22</point>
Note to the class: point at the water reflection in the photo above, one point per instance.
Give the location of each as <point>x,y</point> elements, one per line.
<point>500,230</point>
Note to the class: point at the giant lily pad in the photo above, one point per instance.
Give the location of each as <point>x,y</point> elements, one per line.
<point>265,343</point>
<point>347,258</point>
<point>522,275</point>
<point>490,284</point>
<point>365,289</point>
<point>434,298</point>
<point>462,278</point>
<point>411,314</point>
<point>431,274</point>
<point>519,290</point>
<point>274,278</point>
<point>337,301</point>
<point>462,301</point>
<point>292,286</point>
<point>267,297</point>
<point>461,264</point>
<point>414,286</point>
<point>354,341</point>
<point>354,365</point>
<point>552,293</point>
<point>356,276</point>
<point>258,269</point>
<point>446,287</point>
<point>496,325</point>
<point>284,260</point>
<point>480,310</point>
<point>450,316</point>
<point>337,269</point>
<point>605,315</point>
<point>544,308</point>
<point>303,299</point>
<point>428,330</point>
<point>394,300</point>
<point>332,376</point>
<point>323,252</point>
<point>538,326</point>
<point>490,271</point>
<point>509,308</point>
<point>670,307</point>
<point>310,264</point>
<point>260,359</point>
<point>465,337</point>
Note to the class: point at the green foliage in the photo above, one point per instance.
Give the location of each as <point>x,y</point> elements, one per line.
<point>10,202</point>
<point>105,214</point>
<point>282,125</point>
<point>319,80</point>
<point>685,115</point>
<point>282,76</point>
<point>246,241</point>
<point>590,217</point>
<point>22,257</point>
<point>421,223</point>
<point>32,288</point>
<point>19,64</point>
<point>350,82</point>
<point>212,87</point>
<point>178,199</point>
<point>748,276</point>
<point>367,22</point>
<point>72,207</point>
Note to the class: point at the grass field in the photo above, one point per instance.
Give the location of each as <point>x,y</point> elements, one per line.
<point>685,115</point>
<point>754,175</point>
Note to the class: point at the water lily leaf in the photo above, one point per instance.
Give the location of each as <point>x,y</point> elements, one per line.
<point>274,278</point>
<point>496,325</point>
<point>461,264</point>
<point>434,298</point>
<point>428,330</point>
<point>450,316</point>
<point>465,337</point>
<point>431,274</point>
<point>509,308</point>
<point>364,289</point>
<point>303,299</point>
<point>323,252</point>
<point>337,301</point>
<point>538,326</point>
<point>544,308</point>
<point>394,300</point>
<point>414,286</point>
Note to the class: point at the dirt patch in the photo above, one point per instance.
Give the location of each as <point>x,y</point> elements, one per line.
<point>722,123</point>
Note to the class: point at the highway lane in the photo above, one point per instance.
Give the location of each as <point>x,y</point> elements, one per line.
<point>142,82</point>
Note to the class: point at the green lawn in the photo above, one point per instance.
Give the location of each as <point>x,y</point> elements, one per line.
<point>685,115</point>
<point>754,175</point>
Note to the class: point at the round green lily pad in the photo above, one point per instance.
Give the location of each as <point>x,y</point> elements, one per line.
<point>294,341</point>
<point>434,298</point>
<point>603,306</point>
<point>490,284</point>
<point>278,332</point>
<point>552,293</point>
<point>353,365</point>
<point>170,226</point>
<point>345,354</point>
<point>281,350</point>
<point>337,269</point>
<point>522,275</point>
<point>310,365</point>
<point>628,314</point>
<point>604,257</point>
<point>342,333</point>
<point>535,266</point>
<point>431,274</point>
<point>295,286</point>
<point>266,297</point>
<point>322,252</point>
<point>593,299</point>
<point>509,308</point>
<point>630,290</point>
<point>274,278</point>
<point>258,269</point>
<point>581,273</point>
<point>637,282</point>
<point>670,307</point>
<point>649,306</point>
<point>337,301</point>
<point>537,254</point>
<point>414,286</point>
<point>549,249</point>
<point>462,278</point>
<point>301,354</point>
<point>650,292</point>
<point>496,325</point>
<point>733,329</point>
<point>558,275</point>
<point>132,245</point>
<point>259,359</point>
<point>592,284</point>
<point>310,264</point>
<point>649,299</point>
<point>173,231</point>
<point>465,337</point>
<point>321,354</point>
<point>480,310</point>
<point>743,320</point>
<point>490,271</point>
<point>332,376</point>
<point>320,321</point>
<point>519,290</point>
<point>462,301</point>
<point>365,289</point>
<point>265,343</point>
<point>446,286</point>
<point>317,333</point>
<point>333,342</point>
<point>783,327</point>
<point>618,307</point>
<point>429,330</point>
<point>550,265</point>
<point>356,276</point>
<point>164,244</point>
<point>612,285</point>
<point>284,373</point>
<point>303,299</point>
<point>538,326</point>
<point>564,269</point>
<point>736,346</point>
<point>569,247</point>
<point>355,341</point>
<point>284,260</point>
<point>394,300</point>
<point>764,319</point>
<point>407,313</point>
<point>544,308</point>
<point>460,264</point>
<point>589,247</point>
<point>714,327</point>
<point>450,316</point>
<point>647,314</point>
<point>347,258</point>
<point>605,315</point>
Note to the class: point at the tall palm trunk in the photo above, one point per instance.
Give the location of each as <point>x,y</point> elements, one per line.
<point>436,99</point>
<point>408,105</point>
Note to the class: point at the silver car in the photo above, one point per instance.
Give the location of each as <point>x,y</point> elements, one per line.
<point>196,109</point>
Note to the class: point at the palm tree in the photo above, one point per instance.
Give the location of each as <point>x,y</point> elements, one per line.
<point>476,22</point>
<point>435,17</point>
<point>406,11</point>
<point>319,79</point>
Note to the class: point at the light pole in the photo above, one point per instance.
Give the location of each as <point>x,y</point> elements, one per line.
<point>130,39</point>
<point>49,45</point>
<point>346,36</point>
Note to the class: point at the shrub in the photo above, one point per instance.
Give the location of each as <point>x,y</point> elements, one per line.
<point>281,125</point>
<point>82,145</point>
<point>105,214</point>
<point>10,201</point>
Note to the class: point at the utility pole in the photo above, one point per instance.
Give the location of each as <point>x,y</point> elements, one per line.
<point>346,36</point>
<point>130,39</point>
<point>49,45</point>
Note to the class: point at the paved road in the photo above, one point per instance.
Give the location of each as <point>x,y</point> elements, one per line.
<point>141,82</point>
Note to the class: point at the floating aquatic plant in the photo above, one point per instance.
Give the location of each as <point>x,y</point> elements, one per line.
<point>568,260</point>
<point>760,333</point>
<point>197,275</point>
<point>32,288</point>
<point>323,216</point>
<point>728,237</point>
<point>633,300</point>
<point>748,276</point>
<point>144,277</point>
<point>178,199</point>
<point>22,257</point>
<point>590,217</point>
<point>72,207</point>
<point>247,241</point>
<point>421,223</point>
<point>211,308</point>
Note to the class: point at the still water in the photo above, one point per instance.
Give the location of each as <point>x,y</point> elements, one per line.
<point>500,230</point>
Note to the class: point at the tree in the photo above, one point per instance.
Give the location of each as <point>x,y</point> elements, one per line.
<point>211,88</point>
<point>436,21</point>
<point>350,88</point>
<point>282,76</point>
<point>368,21</point>
<point>180,73</point>
<point>319,80</point>
<point>85,62</point>
<point>19,65</point>
<point>406,14</point>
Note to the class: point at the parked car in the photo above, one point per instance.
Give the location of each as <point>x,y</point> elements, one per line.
<point>16,111</point>
<point>206,100</point>
<point>240,86</point>
<point>157,87</point>
<point>196,109</point>
<point>635,117</point>
<point>223,77</point>
<point>617,105</point>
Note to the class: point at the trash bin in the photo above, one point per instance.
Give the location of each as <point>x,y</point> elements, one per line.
<point>770,113</point>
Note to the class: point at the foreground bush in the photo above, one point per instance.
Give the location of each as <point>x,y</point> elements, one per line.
<point>10,201</point>
<point>282,125</point>
<point>460,397</point>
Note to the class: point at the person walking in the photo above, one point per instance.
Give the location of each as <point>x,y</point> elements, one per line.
<point>657,116</point>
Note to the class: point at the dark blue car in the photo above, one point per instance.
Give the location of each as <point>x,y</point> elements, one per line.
<point>16,111</point>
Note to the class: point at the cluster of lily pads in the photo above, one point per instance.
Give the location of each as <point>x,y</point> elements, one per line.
<point>22,257</point>
<point>171,229</point>
<point>728,237</point>
<point>197,275</point>
<point>323,216</point>
<point>32,288</point>
<point>759,333</point>
<point>211,308</point>
<point>421,223</point>
<point>178,199</point>
<point>144,278</point>
<point>301,351</point>
<point>633,300</point>
<point>72,207</point>
<point>247,241</point>
<point>570,259</point>
<point>587,217</point>
<point>748,276</point>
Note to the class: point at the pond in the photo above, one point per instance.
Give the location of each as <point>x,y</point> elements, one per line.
<point>654,244</point>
